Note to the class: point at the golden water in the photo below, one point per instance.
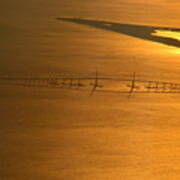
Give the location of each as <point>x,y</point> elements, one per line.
<point>60,134</point>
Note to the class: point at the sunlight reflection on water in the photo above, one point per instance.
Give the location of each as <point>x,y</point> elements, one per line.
<point>169,34</point>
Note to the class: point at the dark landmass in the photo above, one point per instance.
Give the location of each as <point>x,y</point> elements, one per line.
<point>138,31</point>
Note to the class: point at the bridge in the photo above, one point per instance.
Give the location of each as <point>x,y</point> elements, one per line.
<point>94,82</point>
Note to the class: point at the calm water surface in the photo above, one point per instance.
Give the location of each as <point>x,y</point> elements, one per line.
<point>59,134</point>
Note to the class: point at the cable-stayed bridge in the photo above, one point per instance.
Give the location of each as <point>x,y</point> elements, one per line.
<point>93,82</point>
